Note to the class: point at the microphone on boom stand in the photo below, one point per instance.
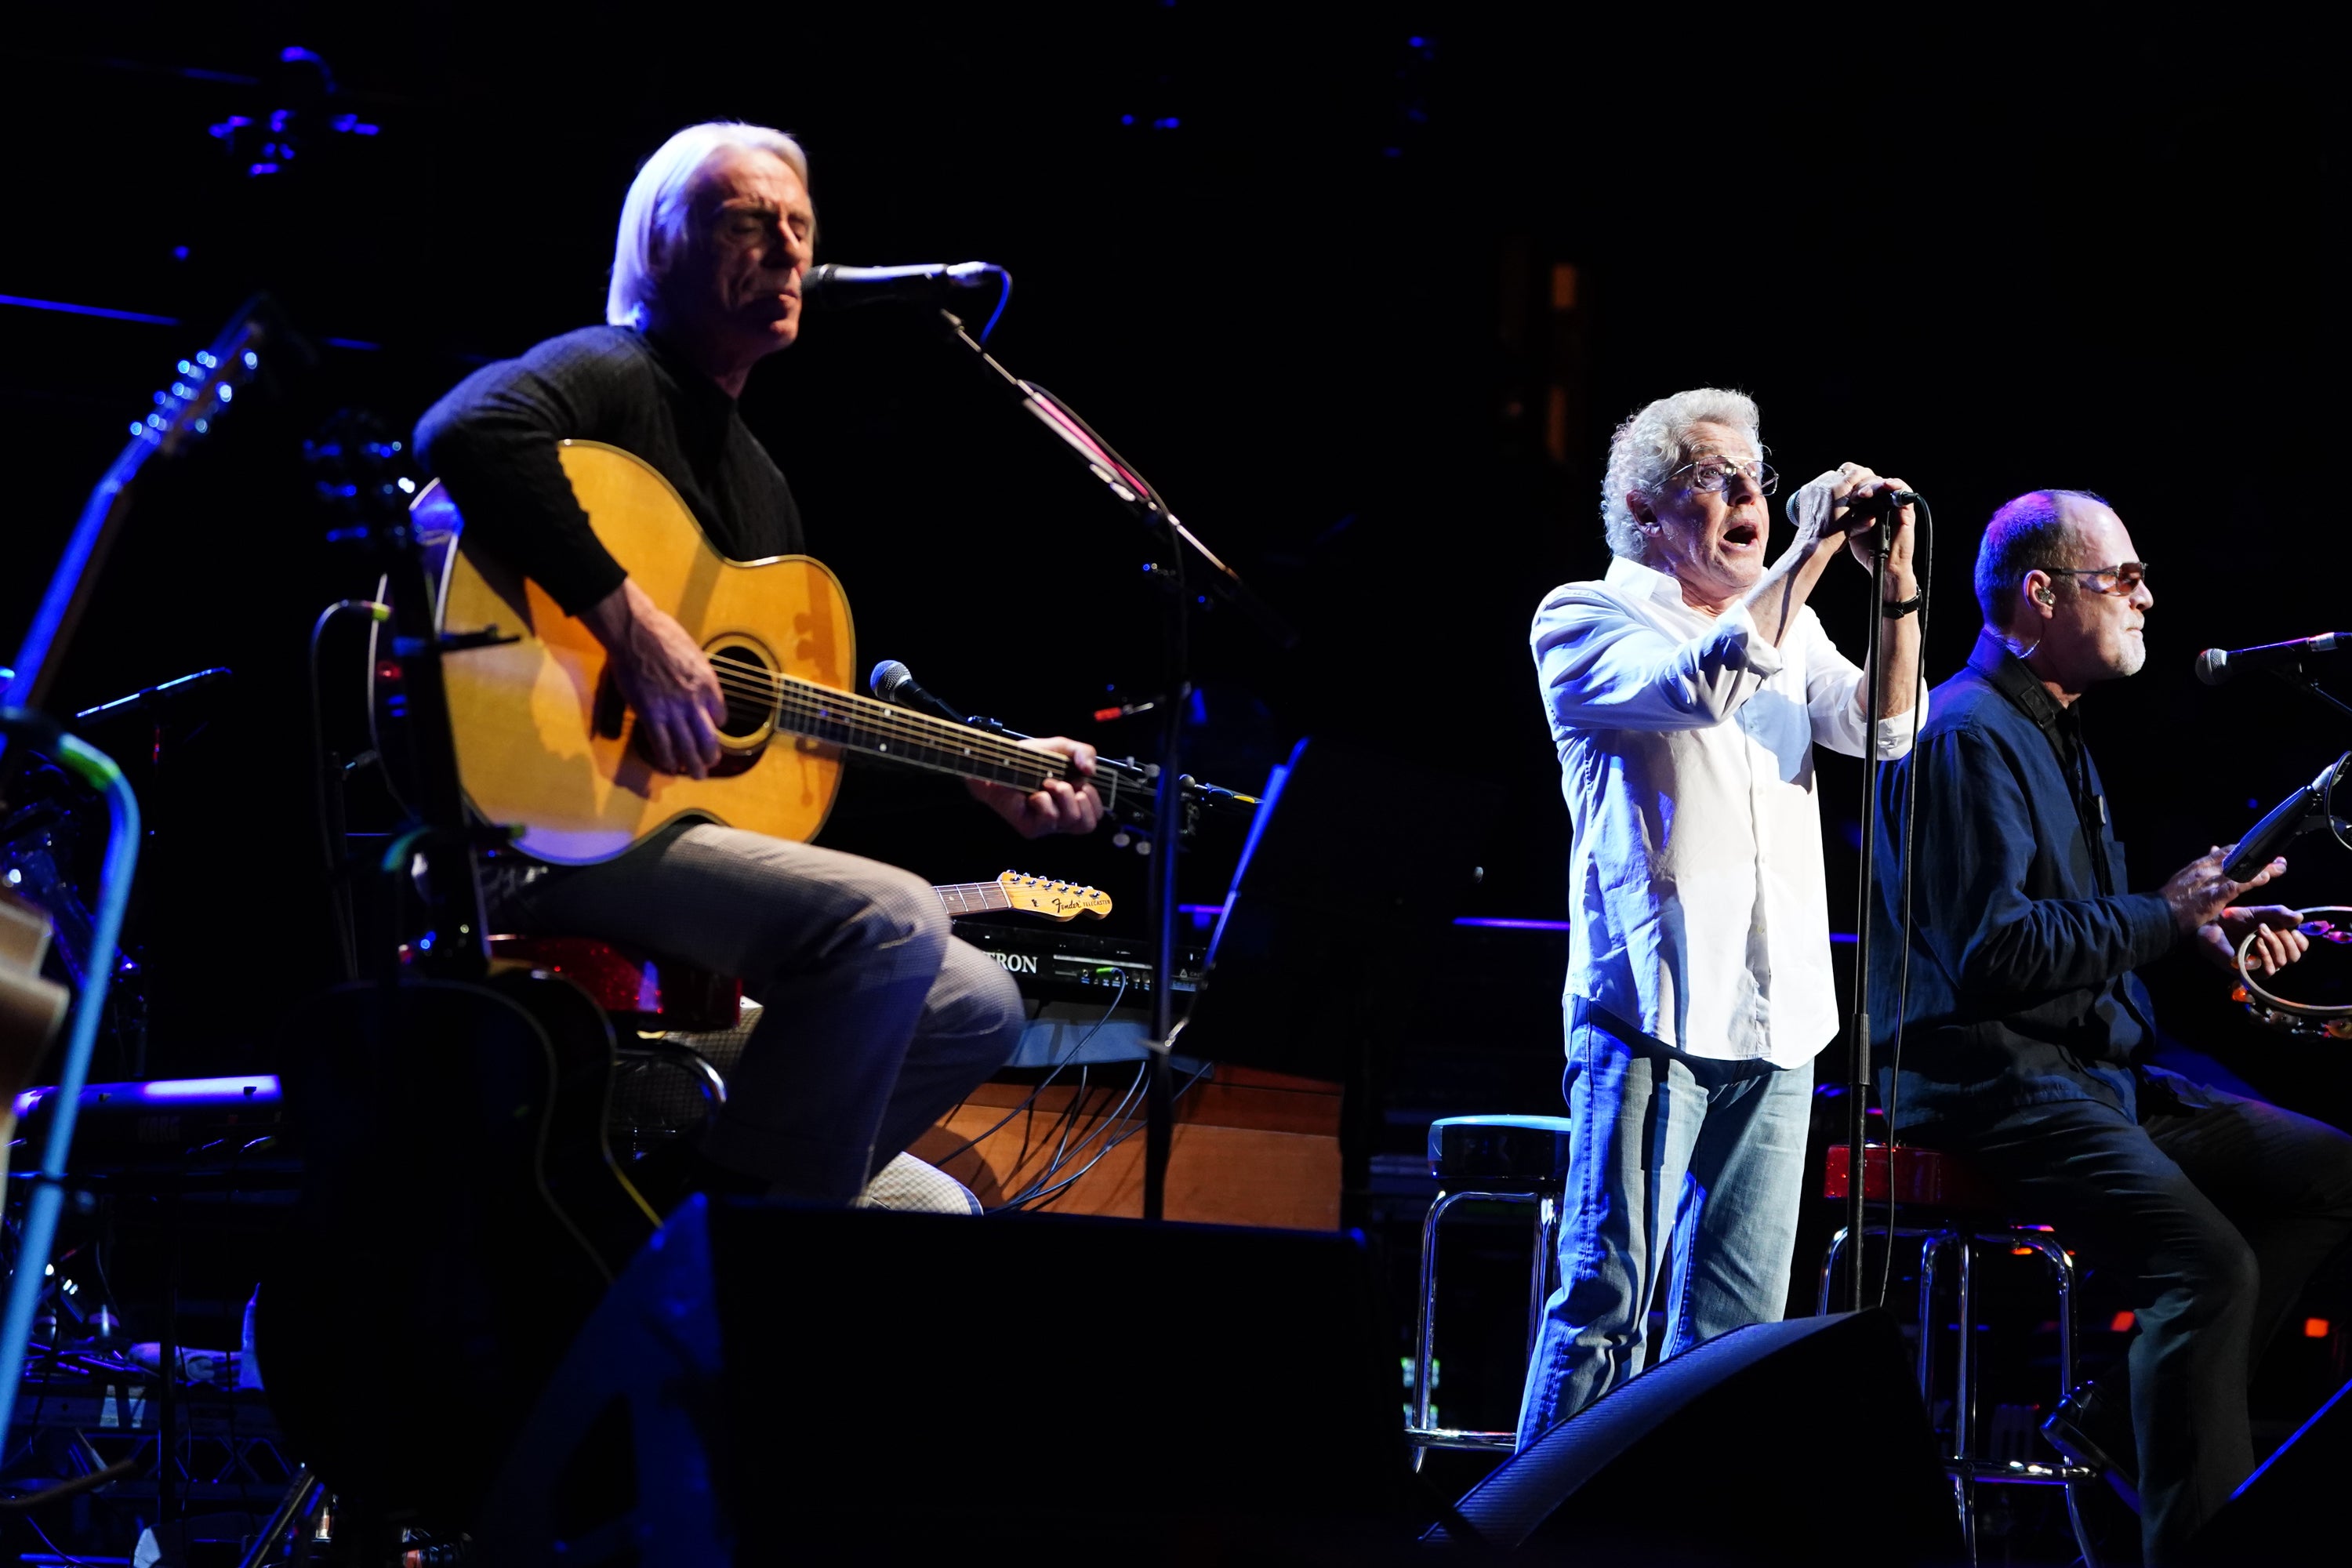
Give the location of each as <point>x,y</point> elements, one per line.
<point>831,287</point>
<point>2216,665</point>
<point>893,682</point>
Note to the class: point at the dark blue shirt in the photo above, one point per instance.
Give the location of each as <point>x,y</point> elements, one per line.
<point>2023,941</point>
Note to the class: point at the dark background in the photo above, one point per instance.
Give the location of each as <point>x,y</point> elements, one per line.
<point>1362,288</point>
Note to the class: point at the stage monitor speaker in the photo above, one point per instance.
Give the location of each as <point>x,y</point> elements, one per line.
<point>767,1384</point>
<point>1796,1442</point>
<point>2290,1505</point>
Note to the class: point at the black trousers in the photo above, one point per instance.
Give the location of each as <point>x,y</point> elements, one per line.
<point>2210,1211</point>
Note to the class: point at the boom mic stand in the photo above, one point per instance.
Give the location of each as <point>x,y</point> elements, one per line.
<point>1184,555</point>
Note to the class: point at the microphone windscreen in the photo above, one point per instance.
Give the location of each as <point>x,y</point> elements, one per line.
<point>888,677</point>
<point>2213,666</point>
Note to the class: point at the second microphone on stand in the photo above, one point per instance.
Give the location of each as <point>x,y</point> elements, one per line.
<point>893,682</point>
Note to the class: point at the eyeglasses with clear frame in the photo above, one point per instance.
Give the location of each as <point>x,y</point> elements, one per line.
<point>2122,580</point>
<point>1709,475</point>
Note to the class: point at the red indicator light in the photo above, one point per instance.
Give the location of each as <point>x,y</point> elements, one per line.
<point>2314,1328</point>
<point>2122,1324</point>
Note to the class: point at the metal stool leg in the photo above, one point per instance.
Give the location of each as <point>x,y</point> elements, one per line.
<point>1964,1399</point>
<point>1539,1270</point>
<point>2062,1268</point>
<point>1829,1267</point>
<point>1931,1247</point>
<point>1419,1433</point>
<point>1427,1336</point>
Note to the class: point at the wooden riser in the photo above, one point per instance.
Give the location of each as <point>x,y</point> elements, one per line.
<point>1249,1150</point>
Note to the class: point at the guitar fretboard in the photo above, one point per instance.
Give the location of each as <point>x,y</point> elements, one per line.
<point>971,897</point>
<point>881,729</point>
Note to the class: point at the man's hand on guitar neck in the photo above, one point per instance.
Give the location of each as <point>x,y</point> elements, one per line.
<point>1056,808</point>
<point>664,676</point>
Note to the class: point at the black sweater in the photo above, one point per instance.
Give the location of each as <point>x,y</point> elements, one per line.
<point>492,442</point>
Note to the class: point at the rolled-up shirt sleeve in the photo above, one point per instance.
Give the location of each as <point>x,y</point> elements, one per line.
<point>1834,696</point>
<point>1602,669</point>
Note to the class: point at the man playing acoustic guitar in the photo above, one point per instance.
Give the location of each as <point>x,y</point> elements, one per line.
<point>876,1020</point>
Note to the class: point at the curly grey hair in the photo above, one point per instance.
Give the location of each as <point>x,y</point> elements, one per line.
<point>1653,443</point>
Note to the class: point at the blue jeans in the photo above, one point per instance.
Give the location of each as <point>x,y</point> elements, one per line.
<point>1672,1152</point>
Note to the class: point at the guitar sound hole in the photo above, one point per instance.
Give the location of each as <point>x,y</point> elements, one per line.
<point>748,684</point>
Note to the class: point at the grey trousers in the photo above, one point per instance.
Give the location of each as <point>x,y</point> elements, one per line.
<point>876,1020</point>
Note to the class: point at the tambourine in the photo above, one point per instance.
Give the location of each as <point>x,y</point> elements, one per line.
<point>2310,1020</point>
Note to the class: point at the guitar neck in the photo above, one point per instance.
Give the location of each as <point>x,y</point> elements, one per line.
<point>971,897</point>
<point>884,730</point>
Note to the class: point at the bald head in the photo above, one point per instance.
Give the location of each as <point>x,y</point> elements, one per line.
<point>2058,576</point>
<point>2039,529</point>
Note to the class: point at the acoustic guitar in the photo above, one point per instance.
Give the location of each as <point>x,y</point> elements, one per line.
<point>545,741</point>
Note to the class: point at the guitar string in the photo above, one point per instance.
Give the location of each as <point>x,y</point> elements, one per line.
<point>793,696</point>
<point>814,722</point>
<point>797,697</point>
<point>893,722</point>
<point>988,889</point>
<point>886,719</point>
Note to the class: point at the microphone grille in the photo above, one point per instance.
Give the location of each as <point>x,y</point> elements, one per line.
<point>2213,666</point>
<point>888,677</point>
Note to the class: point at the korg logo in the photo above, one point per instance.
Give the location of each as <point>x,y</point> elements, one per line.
<point>1016,962</point>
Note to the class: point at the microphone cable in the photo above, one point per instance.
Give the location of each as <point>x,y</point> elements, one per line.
<point>1003,298</point>
<point>1927,549</point>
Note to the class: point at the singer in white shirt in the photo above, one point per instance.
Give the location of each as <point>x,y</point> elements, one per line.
<point>1686,690</point>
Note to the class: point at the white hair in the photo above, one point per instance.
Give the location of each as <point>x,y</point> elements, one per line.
<point>653,217</point>
<point>1653,443</point>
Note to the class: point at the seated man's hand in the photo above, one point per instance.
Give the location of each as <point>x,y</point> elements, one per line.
<point>2200,891</point>
<point>2277,940</point>
<point>664,676</point>
<point>1058,808</point>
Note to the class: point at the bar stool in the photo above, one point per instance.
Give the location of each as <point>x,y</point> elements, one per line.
<point>673,1025</point>
<point>1493,1158</point>
<point>1945,1186</point>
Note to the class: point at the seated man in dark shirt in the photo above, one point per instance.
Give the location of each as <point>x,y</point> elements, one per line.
<point>2025,1028</point>
<point>876,1021</point>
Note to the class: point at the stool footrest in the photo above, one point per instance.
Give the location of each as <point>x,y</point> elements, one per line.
<point>2018,1473</point>
<point>1456,1438</point>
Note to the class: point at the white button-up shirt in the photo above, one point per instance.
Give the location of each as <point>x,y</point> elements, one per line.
<point>1686,755</point>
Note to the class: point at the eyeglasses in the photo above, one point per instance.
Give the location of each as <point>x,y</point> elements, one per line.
<point>1711,474</point>
<point>2122,579</point>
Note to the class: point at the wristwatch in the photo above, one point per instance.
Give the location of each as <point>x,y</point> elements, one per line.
<point>1894,611</point>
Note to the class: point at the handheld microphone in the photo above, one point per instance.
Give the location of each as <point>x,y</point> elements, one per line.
<point>1879,503</point>
<point>831,287</point>
<point>2216,665</point>
<point>894,682</point>
<point>2295,814</point>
